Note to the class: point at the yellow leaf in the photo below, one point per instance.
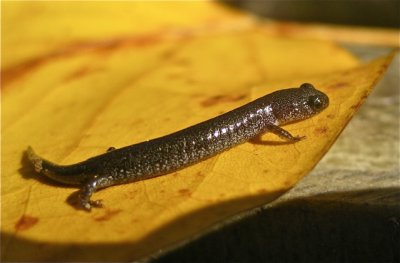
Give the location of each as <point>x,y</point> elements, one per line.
<point>79,101</point>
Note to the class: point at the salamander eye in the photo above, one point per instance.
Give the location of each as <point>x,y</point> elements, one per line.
<point>315,102</point>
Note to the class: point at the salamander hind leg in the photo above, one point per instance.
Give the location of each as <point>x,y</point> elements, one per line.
<point>89,188</point>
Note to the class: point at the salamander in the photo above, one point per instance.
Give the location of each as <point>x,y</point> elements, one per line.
<point>180,149</point>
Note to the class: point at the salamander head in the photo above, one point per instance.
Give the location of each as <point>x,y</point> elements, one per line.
<point>297,104</point>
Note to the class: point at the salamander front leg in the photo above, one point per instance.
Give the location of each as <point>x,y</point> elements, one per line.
<point>89,188</point>
<point>284,134</point>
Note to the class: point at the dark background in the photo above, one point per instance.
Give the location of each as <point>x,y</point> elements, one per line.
<point>375,13</point>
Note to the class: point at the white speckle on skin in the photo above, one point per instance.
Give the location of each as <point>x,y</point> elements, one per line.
<point>268,109</point>
<point>216,133</point>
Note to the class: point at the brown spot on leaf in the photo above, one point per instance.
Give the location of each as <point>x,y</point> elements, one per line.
<point>200,174</point>
<point>146,40</point>
<point>381,70</point>
<point>338,85</point>
<point>26,222</point>
<point>10,74</point>
<point>288,183</point>
<point>364,96</point>
<point>184,192</point>
<point>221,98</point>
<point>321,130</point>
<point>109,213</point>
<point>330,116</point>
<point>357,105</point>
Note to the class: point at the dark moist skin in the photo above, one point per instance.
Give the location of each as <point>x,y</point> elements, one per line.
<point>183,148</point>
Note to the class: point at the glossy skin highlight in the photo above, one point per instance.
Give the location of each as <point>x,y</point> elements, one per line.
<point>188,146</point>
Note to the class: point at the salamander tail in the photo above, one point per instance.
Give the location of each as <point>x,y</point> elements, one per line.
<point>36,160</point>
